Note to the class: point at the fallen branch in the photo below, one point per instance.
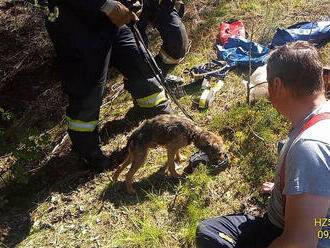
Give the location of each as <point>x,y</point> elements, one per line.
<point>15,70</point>
<point>256,135</point>
<point>257,85</point>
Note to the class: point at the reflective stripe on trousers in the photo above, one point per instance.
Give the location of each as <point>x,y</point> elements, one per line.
<point>81,126</point>
<point>168,59</point>
<point>152,100</point>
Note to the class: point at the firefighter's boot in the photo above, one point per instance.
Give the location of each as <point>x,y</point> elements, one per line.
<point>138,114</point>
<point>87,146</point>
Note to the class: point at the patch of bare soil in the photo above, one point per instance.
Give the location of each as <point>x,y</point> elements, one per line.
<point>27,62</point>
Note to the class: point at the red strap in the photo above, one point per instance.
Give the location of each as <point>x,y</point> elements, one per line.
<point>308,124</point>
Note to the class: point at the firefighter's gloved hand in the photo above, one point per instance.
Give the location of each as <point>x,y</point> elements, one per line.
<point>177,4</point>
<point>118,13</point>
<point>138,13</point>
<point>121,15</point>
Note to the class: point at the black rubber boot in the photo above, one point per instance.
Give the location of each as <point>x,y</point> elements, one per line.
<point>87,146</point>
<point>97,161</point>
<point>137,114</point>
<point>174,80</point>
<point>161,109</point>
<point>165,68</point>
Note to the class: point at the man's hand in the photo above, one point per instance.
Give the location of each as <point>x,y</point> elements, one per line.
<point>177,4</point>
<point>121,15</point>
<point>267,188</point>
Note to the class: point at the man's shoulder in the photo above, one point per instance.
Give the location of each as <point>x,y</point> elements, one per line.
<point>311,146</point>
<point>310,153</point>
<point>319,132</point>
<point>308,168</point>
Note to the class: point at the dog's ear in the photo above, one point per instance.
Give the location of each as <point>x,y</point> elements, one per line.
<point>219,140</point>
<point>217,148</point>
<point>217,144</point>
<point>222,156</point>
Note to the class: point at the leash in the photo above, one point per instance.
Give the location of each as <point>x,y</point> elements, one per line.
<point>155,69</point>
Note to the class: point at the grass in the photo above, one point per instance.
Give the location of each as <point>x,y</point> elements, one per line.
<point>64,205</point>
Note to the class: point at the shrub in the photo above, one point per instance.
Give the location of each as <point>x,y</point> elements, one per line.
<point>251,134</point>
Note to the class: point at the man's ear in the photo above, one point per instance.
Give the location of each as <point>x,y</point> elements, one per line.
<point>277,86</point>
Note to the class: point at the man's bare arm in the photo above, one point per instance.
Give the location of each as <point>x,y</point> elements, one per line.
<point>301,212</point>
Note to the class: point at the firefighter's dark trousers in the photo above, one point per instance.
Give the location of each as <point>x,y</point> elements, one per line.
<point>86,46</point>
<point>171,29</point>
<point>236,231</point>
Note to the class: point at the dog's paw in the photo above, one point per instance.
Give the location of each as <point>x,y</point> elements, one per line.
<point>180,158</point>
<point>131,191</point>
<point>175,174</point>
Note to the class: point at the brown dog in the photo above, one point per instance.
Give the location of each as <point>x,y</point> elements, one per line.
<point>173,132</point>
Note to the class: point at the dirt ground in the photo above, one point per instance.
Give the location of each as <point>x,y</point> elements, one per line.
<point>27,64</point>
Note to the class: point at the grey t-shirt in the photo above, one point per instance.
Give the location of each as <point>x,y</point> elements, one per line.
<point>307,167</point>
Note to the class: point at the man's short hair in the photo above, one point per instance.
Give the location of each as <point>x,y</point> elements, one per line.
<point>299,65</point>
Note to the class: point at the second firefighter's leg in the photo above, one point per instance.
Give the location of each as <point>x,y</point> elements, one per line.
<point>148,94</point>
<point>143,23</point>
<point>174,36</point>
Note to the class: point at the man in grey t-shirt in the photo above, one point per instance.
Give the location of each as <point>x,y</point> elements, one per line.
<point>298,213</point>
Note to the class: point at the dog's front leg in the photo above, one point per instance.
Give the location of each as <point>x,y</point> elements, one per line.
<point>170,161</point>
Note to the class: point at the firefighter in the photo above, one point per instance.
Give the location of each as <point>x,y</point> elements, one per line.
<point>88,36</point>
<point>165,16</point>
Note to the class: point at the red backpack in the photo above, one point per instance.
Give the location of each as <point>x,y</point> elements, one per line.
<point>232,28</point>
